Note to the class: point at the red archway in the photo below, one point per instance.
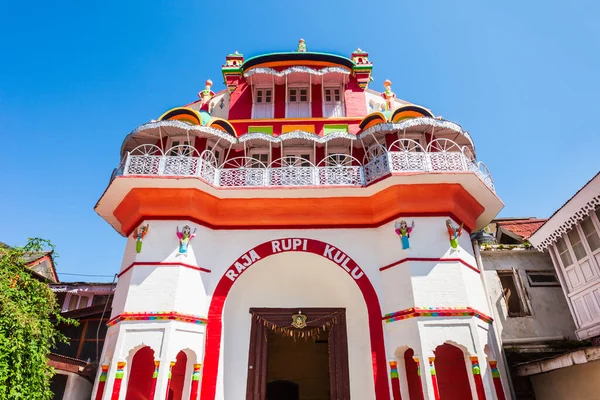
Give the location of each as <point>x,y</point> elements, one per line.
<point>140,382</point>
<point>215,312</point>
<point>451,372</point>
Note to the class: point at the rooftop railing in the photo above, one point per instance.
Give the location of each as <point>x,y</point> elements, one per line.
<point>403,156</point>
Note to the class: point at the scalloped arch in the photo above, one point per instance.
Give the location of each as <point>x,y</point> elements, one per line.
<point>224,125</point>
<point>411,111</point>
<point>183,114</point>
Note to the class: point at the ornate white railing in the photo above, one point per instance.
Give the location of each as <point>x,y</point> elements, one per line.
<point>404,155</point>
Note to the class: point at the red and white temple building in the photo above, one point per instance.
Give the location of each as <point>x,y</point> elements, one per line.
<point>299,235</point>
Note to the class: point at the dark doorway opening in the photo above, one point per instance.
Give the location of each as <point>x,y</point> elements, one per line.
<point>297,369</point>
<point>283,368</point>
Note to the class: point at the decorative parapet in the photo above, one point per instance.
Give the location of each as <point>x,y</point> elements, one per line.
<point>156,316</point>
<point>436,312</point>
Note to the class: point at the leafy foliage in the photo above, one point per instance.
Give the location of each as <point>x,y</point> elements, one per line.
<point>29,315</point>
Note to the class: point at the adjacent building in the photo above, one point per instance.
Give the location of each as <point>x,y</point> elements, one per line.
<point>528,304</point>
<point>571,237</point>
<point>300,235</point>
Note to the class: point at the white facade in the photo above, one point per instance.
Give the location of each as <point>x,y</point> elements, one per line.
<point>572,237</point>
<point>160,279</point>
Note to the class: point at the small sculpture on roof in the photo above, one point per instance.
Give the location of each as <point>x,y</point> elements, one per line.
<point>388,95</point>
<point>301,46</point>
<point>453,233</point>
<point>403,231</point>
<point>205,95</point>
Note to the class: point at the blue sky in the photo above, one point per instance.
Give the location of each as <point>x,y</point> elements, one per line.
<point>77,77</point>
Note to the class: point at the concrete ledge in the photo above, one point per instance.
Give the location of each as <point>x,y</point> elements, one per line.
<point>564,360</point>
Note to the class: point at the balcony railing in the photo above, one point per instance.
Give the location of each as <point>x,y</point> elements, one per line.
<point>403,156</point>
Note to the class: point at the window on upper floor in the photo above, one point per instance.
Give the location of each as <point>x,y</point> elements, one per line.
<point>333,104</point>
<point>590,233</point>
<point>298,102</point>
<point>261,155</point>
<point>563,252</point>
<point>298,157</point>
<point>174,149</point>
<point>217,150</point>
<point>576,243</point>
<point>513,293</point>
<point>263,102</point>
<point>542,278</point>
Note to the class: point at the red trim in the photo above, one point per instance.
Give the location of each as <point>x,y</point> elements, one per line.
<point>425,259</point>
<point>163,264</point>
<point>215,314</point>
<point>434,382</point>
<point>497,380</point>
<point>277,227</point>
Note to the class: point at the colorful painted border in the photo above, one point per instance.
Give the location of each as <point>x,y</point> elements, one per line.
<point>427,259</point>
<point>436,312</point>
<point>156,316</point>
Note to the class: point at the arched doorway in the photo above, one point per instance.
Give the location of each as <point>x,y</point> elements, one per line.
<point>311,279</point>
<point>451,372</point>
<point>177,377</point>
<point>139,381</point>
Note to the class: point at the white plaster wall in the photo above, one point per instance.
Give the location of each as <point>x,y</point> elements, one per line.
<point>293,280</point>
<point>550,314</point>
<point>77,388</point>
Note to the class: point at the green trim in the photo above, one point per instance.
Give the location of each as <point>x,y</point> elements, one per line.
<point>327,129</point>
<point>262,129</point>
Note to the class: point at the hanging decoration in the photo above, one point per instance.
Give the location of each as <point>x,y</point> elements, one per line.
<point>299,320</point>
<point>454,233</point>
<point>301,326</point>
<point>139,235</point>
<point>403,230</point>
<point>184,236</point>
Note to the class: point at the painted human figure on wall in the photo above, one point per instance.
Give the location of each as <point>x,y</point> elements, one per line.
<point>454,233</point>
<point>403,230</point>
<point>388,95</point>
<point>184,236</point>
<point>139,234</point>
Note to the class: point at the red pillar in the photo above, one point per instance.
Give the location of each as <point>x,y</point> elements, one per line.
<point>169,379</point>
<point>436,391</point>
<point>497,381</point>
<point>101,381</point>
<point>420,387</point>
<point>195,382</point>
<point>477,377</point>
<point>118,380</point>
<point>395,380</point>
<point>154,377</point>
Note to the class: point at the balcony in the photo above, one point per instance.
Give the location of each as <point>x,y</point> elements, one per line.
<point>404,156</point>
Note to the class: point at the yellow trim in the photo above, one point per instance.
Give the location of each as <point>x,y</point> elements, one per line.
<point>182,108</point>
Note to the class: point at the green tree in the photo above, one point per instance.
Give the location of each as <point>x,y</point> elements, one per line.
<point>29,315</point>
